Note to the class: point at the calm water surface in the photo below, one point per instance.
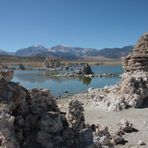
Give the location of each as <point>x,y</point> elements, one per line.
<point>58,85</point>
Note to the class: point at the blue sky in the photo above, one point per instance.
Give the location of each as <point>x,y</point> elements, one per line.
<point>83,23</point>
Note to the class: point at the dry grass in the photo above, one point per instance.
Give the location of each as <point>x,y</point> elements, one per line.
<point>38,62</point>
<point>29,63</point>
<point>94,62</point>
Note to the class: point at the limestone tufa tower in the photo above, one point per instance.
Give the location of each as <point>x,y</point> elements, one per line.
<point>138,60</point>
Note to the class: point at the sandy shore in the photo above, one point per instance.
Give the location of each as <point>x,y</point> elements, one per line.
<point>96,115</point>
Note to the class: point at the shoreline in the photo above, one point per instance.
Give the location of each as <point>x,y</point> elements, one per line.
<point>95,115</point>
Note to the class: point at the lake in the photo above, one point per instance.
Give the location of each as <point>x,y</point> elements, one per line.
<point>58,85</point>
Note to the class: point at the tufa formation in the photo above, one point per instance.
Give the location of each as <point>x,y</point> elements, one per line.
<point>134,84</point>
<point>138,60</point>
<point>32,119</point>
<point>132,90</point>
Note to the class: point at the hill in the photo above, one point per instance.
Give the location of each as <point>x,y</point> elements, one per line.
<point>2,52</point>
<point>115,53</point>
<point>31,51</point>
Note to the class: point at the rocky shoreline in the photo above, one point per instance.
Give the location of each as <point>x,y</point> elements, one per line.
<point>95,113</point>
<point>132,90</point>
<point>101,118</point>
<point>32,118</point>
<point>130,93</point>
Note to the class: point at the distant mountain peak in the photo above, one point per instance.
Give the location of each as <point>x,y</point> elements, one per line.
<point>60,45</point>
<point>70,53</point>
<point>116,53</point>
<point>38,46</point>
<point>3,52</point>
<point>31,51</point>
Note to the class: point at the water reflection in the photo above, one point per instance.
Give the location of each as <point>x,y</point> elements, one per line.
<point>30,76</point>
<point>38,76</point>
<point>42,76</point>
<point>58,85</point>
<point>85,80</point>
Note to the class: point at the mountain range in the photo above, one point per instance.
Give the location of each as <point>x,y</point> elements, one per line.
<point>2,52</point>
<point>70,53</point>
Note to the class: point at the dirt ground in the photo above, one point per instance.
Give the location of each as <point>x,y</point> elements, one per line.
<point>95,115</point>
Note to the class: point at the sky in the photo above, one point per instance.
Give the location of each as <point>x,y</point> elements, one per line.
<point>79,23</point>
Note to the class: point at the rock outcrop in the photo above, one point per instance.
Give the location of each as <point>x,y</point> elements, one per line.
<point>86,69</point>
<point>138,60</point>
<point>52,62</point>
<point>75,116</point>
<point>21,66</point>
<point>6,75</point>
<point>134,84</point>
<point>132,90</point>
<point>102,136</point>
<point>31,118</point>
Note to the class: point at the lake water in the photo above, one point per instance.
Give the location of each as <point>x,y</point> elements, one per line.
<point>58,85</point>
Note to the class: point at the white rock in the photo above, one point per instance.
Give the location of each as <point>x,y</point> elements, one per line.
<point>140,142</point>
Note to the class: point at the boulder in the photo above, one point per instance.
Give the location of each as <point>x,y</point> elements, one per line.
<point>126,126</point>
<point>6,75</point>
<point>118,140</point>
<point>52,62</point>
<point>86,69</point>
<point>75,116</point>
<point>141,142</point>
<point>134,88</point>
<point>7,131</point>
<point>102,137</point>
<point>86,137</point>
<point>21,66</point>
